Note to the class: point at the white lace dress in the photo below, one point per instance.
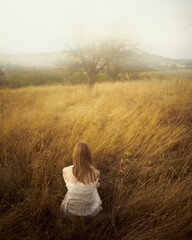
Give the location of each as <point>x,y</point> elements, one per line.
<point>81,199</point>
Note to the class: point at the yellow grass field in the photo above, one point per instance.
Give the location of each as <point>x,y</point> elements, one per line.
<point>140,135</point>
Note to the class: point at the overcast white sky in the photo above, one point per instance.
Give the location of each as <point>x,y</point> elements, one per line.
<point>163,27</point>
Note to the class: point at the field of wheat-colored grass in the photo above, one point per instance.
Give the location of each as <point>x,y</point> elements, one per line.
<point>140,135</point>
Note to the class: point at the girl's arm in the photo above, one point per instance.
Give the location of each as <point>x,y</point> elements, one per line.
<point>98,184</point>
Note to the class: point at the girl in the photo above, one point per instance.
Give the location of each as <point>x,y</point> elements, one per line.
<point>82,180</point>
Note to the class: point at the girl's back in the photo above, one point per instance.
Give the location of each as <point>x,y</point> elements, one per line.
<point>81,199</point>
<point>82,180</point>
<point>68,175</point>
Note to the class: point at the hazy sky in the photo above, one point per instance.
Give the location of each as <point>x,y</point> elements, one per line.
<point>163,27</point>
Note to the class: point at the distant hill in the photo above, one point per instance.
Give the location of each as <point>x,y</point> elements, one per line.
<point>156,62</point>
<point>35,60</point>
<point>149,61</point>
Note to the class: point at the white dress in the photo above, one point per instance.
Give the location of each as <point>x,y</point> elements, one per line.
<point>81,199</point>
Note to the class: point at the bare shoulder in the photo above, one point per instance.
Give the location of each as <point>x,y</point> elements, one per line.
<point>96,171</point>
<point>66,169</point>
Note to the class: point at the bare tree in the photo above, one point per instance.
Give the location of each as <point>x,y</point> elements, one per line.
<point>119,62</point>
<point>96,55</point>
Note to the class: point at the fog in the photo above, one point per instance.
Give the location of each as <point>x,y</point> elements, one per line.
<point>162,27</point>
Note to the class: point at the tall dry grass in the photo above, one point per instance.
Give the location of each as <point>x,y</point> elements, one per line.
<point>140,136</point>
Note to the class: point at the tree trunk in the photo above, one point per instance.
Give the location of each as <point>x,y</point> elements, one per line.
<point>91,79</point>
<point>114,76</point>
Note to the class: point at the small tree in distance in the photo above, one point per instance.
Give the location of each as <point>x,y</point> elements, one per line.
<point>118,63</point>
<point>96,55</point>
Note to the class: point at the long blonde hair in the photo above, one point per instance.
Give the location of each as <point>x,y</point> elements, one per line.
<point>82,161</point>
